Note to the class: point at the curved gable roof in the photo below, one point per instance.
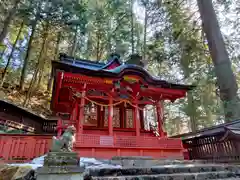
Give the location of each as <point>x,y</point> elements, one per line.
<point>114,68</point>
<point>113,63</point>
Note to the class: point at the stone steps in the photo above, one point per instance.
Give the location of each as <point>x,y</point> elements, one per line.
<point>167,172</point>
<point>165,169</point>
<point>229,179</point>
<point>176,176</point>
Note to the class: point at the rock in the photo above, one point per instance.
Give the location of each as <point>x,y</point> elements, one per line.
<point>166,172</point>
<point>7,172</point>
<point>61,159</point>
<point>24,173</point>
<point>16,173</point>
<point>61,166</point>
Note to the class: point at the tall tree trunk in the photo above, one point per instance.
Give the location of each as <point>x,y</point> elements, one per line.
<point>29,48</point>
<point>138,43</point>
<point>50,81</point>
<point>74,45</point>
<point>42,65</point>
<point>41,68</point>
<point>50,78</point>
<point>34,78</point>
<point>89,47</point>
<point>192,111</point>
<point>7,21</point>
<point>3,52</point>
<point>109,36</point>
<point>132,26</point>
<point>56,53</point>
<point>98,47</point>
<point>11,54</point>
<point>222,65</point>
<point>40,75</point>
<point>145,34</point>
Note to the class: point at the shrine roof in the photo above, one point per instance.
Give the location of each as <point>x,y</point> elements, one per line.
<point>233,126</point>
<point>87,64</point>
<point>21,111</point>
<point>114,68</point>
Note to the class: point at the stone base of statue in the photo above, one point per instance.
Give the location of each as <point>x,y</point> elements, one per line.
<point>60,166</point>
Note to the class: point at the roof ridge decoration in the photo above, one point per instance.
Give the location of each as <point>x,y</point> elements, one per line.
<point>135,59</point>
<point>113,62</point>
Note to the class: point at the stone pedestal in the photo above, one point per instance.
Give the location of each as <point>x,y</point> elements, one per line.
<point>60,166</point>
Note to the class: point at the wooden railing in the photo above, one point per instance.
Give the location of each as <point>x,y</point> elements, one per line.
<point>213,149</point>
<point>23,148</point>
<point>49,127</point>
<point>88,140</point>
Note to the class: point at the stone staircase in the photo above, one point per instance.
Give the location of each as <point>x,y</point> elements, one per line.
<point>162,170</point>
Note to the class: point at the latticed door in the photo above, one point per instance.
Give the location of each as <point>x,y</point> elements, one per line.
<point>129,118</point>
<point>116,117</point>
<point>90,115</point>
<point>105,117</point>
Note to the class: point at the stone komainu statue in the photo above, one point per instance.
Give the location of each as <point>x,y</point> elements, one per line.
<point>65,142</point>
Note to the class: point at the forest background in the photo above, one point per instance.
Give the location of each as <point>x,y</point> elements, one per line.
<point>168,34</point>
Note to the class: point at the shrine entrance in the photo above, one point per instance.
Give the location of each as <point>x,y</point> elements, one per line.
<point>96,116</point>
<point>105,102</point>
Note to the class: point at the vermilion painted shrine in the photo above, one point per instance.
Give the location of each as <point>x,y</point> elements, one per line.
<point>105,102</point>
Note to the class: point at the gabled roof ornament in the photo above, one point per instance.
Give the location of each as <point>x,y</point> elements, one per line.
<point>113,62</point>
<point>135,59</point>
<point>114,56</point>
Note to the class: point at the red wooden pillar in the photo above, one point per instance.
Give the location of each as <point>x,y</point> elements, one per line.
<point>136,119</point>
<point>59,127</point>
<point>75,114</point>
<point>59,80</point>
<point>110,116</point>
<point>81,111</point>
<point>141,116</point>
<point>98,116</point>
<point>160,119</point>
<point>121,116</point>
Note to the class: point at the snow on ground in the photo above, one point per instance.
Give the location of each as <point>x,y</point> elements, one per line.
<point>84,162</point>
<point>33,166</point>
<point>38,160</point>
<point>94,163</point>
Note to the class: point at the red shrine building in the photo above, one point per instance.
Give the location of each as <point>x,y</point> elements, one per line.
<point>106,101</point>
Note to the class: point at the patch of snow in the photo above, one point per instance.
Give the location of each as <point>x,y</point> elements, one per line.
<point>33,166</point>
<point>84,162</point>
<point>94,163</point>
<point>38,160</point>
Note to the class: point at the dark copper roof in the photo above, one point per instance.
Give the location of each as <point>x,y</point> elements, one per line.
<point>99,69</point>
<point>15,108</point>
<point>207,132</point>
